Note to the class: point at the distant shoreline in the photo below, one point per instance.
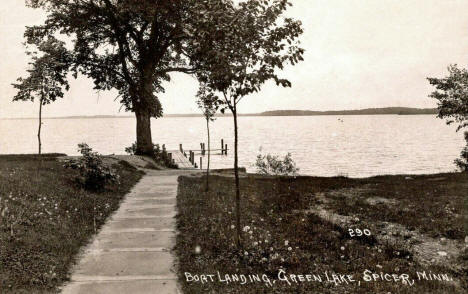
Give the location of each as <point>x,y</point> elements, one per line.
<point>366,111</point>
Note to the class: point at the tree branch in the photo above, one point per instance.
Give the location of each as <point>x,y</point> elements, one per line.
<point>121,43</point>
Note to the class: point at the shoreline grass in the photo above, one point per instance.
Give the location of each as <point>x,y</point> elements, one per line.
<point>278,234</point>
<point>52,219</point>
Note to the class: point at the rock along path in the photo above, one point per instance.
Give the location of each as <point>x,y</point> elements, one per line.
<point>132,252</point>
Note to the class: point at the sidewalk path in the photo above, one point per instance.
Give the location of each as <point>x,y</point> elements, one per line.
<point>132,252</point>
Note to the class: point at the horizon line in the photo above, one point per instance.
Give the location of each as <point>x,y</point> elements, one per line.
<point>218,114</point>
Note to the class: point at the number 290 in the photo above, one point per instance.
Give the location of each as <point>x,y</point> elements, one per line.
<point>358,232</point>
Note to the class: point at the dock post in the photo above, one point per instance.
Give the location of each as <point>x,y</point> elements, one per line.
<point>201,162</point>
<point>190,156</point>
<point>225,149</point>
<point>222,145</point>
<point>181,149</point>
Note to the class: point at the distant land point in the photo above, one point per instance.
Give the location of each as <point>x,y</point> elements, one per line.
<point>366,111</point>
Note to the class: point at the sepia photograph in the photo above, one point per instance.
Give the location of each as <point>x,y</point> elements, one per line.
<point>233,146</point>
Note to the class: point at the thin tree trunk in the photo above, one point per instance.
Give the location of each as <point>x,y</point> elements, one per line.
<point>209,154</point>
<point>143,133</point>
<point>94,215</point>
<point>40,125</point>
<point>236,174</point>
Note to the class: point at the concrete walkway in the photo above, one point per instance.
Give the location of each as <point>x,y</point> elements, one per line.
<point>132,252</point>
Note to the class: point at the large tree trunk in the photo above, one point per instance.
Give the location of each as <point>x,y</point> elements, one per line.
<point>236,174</point>
<point>143,130</point>
<point>144,107</point>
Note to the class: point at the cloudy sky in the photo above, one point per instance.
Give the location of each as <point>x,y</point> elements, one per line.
<point>359,54</point>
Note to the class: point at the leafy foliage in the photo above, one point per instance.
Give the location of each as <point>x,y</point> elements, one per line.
<point>452,95</point>
<point>208,102</point>
<point>462,162</point>
<point>245,50</point>
<point>132,46</point>
<point>94,175</point>
<point>272,165</point>
<point>161,157</point>
<point>255,42</point>
<point>131,150</point>
<point>47,73</point>
<point>129,45</point>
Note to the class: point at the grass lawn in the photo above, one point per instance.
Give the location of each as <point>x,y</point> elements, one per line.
<point>280,235</point>
<point>435,204</point>
<point>49,218</point>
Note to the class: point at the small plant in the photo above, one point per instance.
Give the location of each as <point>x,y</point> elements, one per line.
<point>94,175</point>
<point>273,165</point>
<point>462,162</point>
<point>160,156</point>
<point>11,213</point>
<point>131,150</point>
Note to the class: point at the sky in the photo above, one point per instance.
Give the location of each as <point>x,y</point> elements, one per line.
<point>359,54</point>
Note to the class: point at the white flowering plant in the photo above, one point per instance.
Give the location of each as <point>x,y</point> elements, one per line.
<point>94,174</point>
<point>273,165</point>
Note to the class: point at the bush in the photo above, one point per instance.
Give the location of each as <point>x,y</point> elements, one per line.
<point>131,150</point>
<point>160,156</point>
<point>94,175</point>
<point>462,162</point>
<point>272,165</point>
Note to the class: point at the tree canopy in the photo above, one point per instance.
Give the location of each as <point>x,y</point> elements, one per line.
<point>127,45</point>
<point>46,78</point>
<point>452,96</point>
<point>249,48</point>
<point>207,102</point>
<point>132,46</point>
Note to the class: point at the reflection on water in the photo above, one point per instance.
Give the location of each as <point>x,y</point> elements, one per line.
<point>357,146</point>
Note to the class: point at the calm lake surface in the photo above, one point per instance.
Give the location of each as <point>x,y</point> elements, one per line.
<point>359,146</point>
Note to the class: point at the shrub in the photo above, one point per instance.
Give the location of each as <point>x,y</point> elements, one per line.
<point>462,162</point>
<point>272,165</point>
<point>94,175</point>
<point>160,156</point>
<point>131,150</point>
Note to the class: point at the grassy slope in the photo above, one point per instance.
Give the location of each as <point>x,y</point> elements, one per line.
<point>317,246</point>
<point>56,219</point>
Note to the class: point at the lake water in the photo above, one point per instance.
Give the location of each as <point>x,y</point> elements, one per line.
<point>359,146</point>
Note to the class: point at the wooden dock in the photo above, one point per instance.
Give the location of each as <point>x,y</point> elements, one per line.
<point>181,161</point>
<point>185,159</point>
